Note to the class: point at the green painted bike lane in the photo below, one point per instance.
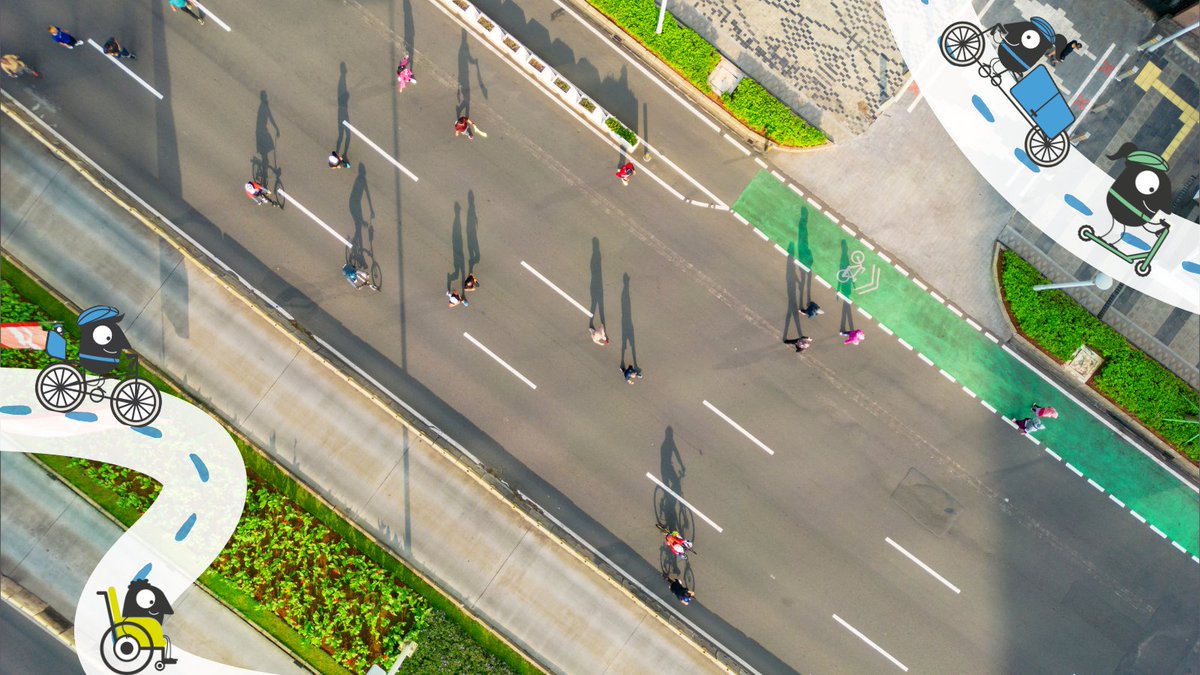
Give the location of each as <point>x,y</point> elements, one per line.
<point>974,360</point>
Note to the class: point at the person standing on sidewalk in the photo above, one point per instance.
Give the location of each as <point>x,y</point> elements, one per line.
<point>63,38</point>
<point>188,9</point>
<point>853,337</point>
<point>14,67</point>
<point>598,335</point>
<point>625,173</point>
<point>114,49</point>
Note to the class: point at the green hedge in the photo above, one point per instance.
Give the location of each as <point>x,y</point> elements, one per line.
<point>688,53</point>
<point>1128,377</point>
<point>621,130</point>
<point>299,571</point>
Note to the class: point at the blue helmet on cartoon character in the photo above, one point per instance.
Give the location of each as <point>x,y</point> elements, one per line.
<point>101,340</point>
<point>1024,42</point>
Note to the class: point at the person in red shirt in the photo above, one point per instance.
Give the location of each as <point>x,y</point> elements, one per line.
<point>625,173</point>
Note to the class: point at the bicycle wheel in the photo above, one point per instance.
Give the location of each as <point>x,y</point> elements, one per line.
<point>60,388</point>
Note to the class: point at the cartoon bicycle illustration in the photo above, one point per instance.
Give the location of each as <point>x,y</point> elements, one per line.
<point>62,387</point>
<point>850,272</point>
<point>1035,95</point>
<point>135,632</point>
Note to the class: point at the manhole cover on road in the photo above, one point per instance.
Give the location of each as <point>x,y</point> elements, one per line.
<point>929,504</point>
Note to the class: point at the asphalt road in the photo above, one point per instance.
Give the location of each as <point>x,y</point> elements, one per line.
<point>1050,578</point>
<point>26,649</point>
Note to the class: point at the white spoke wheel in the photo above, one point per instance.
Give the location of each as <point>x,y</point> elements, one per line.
<point>1044,151</point>
<point>60,388</point>
<point>961,43</point>
<point>135,402</point>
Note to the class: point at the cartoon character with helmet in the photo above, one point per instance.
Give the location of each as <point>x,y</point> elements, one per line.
<point>1138,201</point>
<point>135,630</point>
<point>62,387</point>
<point>1019,45</point>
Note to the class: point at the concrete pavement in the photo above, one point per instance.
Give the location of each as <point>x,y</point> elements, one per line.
<point>51,539</point>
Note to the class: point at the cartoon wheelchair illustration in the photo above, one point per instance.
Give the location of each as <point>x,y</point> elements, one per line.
<point>1018,46</point>
<point>135,634</point>
<point>62,387</point>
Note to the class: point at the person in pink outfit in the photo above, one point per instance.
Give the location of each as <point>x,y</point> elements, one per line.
<point>404,75</point>
<point>853,337</point>
<point>1044,412</point>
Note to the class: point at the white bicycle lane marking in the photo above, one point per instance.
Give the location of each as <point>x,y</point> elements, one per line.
<point>203,491</point>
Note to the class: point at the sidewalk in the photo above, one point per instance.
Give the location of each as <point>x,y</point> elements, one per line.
<point>51,539</point>
<point>278,387</point>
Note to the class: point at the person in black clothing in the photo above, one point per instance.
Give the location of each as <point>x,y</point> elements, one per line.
<point>679,590</point>
<point>813,309</point>
<point>115,50</point>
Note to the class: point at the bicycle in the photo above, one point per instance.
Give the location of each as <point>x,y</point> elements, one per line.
<point>851,271</point>
<point>358,277</point>
<point>260,195</point>
<point>686,544</point>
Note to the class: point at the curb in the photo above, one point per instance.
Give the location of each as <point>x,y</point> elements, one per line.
<point>38,611</point>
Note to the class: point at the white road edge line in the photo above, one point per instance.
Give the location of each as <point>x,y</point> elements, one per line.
<point>376,148</point>
<point>499,360</point>
<point>739,427</point>
<point>125,68</point>
<point>556,289</point>
<point>685,502</point>
<point>867,640</point>
<point>292,201</point>
<point>209,15</point>
<point>923,566</point>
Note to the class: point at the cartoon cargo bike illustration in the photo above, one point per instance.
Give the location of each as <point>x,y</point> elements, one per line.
<point>135,632</point>
<point>62,387</point>
<point>1139,202</point>
<point>1019,45</point>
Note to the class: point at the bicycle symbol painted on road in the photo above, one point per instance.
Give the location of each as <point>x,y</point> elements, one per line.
<point>849,273</point>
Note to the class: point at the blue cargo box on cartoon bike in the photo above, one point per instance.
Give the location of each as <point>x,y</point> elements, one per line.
<point>1019,45</point>
<point>62,387</point>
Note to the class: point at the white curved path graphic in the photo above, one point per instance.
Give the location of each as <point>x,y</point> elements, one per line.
<point>204,489</point>
<point>1039,195</point>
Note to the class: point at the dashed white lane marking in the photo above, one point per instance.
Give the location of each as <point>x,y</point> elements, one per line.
<point>778,175</point>
<point>1087,80</point>
<point>499,360</point>
<point>903,272</point>
<point>761,235</point>
<point>844,299</point>
<point>987,405</point>
<point>846,229</point>
<point>863,312</point>
<point>946,375</point>
<point>814,203</point>
<point>837,222</point>
<point>937,297</point>
<point>885,329</point>
<point>885,257</point>
<point>209,15</point>
<point>1099,92</point>
<point>954,310</point>
<point>923,566</point>
<point>781,249</point>
<point>685,502</point>
<point>867,244</point>
<point>739,427</point>
<point>759,162</point>
<point>916,100</point>
<point>1118,502</point>
<point>796,189</point>
<point>905,344</point>
<point>1057,456</point>
<point>970,393</point>
<point>737,144</point>
<point>128,72</point>
<point>972,324</point>
<point>928,361</point>
<point>1137,515</point>
<point>1158,532</point>
<point>376,148</point>
<point>1178,546</point>
<point>556,289</point>
<point>823,282</point>
<point>991,337</point>
<point>867,640</point>
<point>1075,471</point>
<point>292,202</point>
<point>740,218</point>
<point>920,284</point>
<point>1095,484</point>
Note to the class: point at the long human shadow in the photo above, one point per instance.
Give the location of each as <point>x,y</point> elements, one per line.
<point>457,257</point>
<point>343,113</point>
<point>473,254</point>
<point>627,341</point>
<point>465,61</point>
<point>597,285</point>
<point>845,288</point>
<point>360,191</point>
<point>793,282</point>
<point>267,153</point>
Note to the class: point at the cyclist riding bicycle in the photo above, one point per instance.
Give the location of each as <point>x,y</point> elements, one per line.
<point>351,274</point>
<point>258,194</point>
<point>678,545</point>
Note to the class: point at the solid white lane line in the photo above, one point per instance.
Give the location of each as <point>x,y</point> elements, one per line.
<point>1100,92</point>
<point>867,640</point>
<point>292,202</point>
<point>739,427</point>
<point>209,15</point>
<point>376,148</point>
<point>1092,74</point>
<point>923,566</point>
<point>128,72</point>
<point>737,144</point>
<point>687,176</point>
<point>685,502</point>
<point>499,360</point>
<point>556,288</point>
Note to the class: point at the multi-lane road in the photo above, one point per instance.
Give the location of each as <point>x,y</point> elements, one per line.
<point>823,543</point>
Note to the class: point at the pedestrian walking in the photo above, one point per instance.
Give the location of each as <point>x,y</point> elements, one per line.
<point>679,590</point>
<point>1061,51</point>
<point>404,75</point>
<point>471,283</point>
<point>337,161</point>
<point>625,173</point>
<point>813,310</point>
<point>188,8</point>
<point>598,335</point>
<point>62,37</point>
<point>1029,425</point>
<point>632,373</point>
<point>14,67</point>
<point>1039,411</point>
<point>455,299</point>
<point>464,125</point>
<point>853,337</point>
<point>801,343</point>
<point>114,49</point>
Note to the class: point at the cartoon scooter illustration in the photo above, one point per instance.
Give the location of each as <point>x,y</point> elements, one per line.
<point>1139,199</point>
<point>135,632</point>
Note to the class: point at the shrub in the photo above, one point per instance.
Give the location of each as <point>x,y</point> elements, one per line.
<point>621,130</point>
<point>510,43</point>
<point>764,113</point>
<point>487,25</point>
<point>588,105</point>
<point>679,46</point>
<point>537,65</point>
<point>1128,377</point>
<point>562,84</point>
